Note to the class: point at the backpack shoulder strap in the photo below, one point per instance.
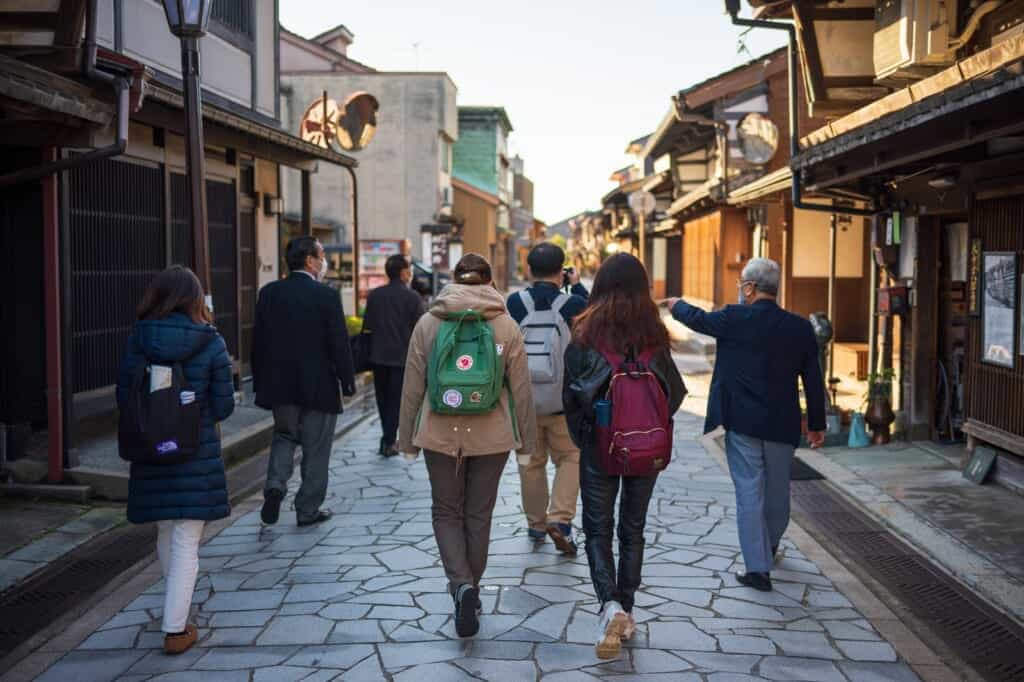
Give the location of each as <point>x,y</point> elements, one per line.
<point>559,302</point>
<point>528,302</point>
<point>613,359</point>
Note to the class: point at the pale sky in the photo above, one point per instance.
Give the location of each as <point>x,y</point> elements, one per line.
<point>579,78</point>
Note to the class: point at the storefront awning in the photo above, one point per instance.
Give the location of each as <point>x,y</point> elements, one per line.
<point>691,199</point>
<point>32,87</point>
<point>776,181</point>
<point>971,82</point>
<point>251,135</point>
<point>623,190</point>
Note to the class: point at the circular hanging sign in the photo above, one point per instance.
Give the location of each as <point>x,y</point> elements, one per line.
<point>759,138</point>
<point>320,122</point>
<point>357,121</point>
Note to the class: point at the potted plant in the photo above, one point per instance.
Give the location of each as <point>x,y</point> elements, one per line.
<point>879,414</point>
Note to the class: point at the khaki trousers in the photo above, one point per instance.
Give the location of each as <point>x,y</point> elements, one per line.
<point>554,442</point>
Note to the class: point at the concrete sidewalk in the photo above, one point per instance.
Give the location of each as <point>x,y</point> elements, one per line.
<point>39,532</point>
<point>363,597</point>
<point>973,531</point>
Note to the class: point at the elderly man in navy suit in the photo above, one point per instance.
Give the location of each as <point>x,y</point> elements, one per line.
<point>762,352</point>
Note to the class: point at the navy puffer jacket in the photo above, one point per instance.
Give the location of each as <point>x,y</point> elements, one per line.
<point>196,489</point>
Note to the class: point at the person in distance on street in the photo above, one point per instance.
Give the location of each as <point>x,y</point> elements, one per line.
<point>392,312</point>
<point>300,353</point>
<point>466,403</point>
<point>763,351</point>
<point>545,313</point>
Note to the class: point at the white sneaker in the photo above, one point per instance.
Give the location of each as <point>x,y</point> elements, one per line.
<point>627,633</point>
<point>613,624</point>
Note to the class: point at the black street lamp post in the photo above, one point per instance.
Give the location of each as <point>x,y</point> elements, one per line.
<point>188,20</point>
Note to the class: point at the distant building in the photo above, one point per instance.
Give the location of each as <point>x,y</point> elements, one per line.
<point>481,161</point>
<point>404,174</point>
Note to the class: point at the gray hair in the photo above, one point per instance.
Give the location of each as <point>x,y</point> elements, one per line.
<point>763,273</point>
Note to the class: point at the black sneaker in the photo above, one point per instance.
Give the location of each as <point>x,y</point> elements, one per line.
<point>759,581</point>
<point>271,507</point>
<point>319,517</point>
<point>467,611</point>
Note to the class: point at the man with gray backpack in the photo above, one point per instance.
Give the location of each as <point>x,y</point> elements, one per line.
<point>545,313</point>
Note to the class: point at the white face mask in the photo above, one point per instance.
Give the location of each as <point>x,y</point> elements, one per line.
<point>323,270</point>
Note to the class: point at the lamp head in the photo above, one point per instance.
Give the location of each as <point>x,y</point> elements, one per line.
<point>732,7</point>
<point>188,18</point>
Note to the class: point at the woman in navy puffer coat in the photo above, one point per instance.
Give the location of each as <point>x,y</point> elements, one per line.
<point>174,326</point>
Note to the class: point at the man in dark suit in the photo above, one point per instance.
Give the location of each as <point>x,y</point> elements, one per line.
<point>392,312</point>
<point>300,352</point>
<point>762,352</point>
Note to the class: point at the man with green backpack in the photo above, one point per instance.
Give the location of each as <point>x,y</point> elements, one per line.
<point>466,403</point>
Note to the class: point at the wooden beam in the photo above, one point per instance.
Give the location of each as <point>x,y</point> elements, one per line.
<point>70,20</point>
<point>812,54</point>
<point>850,82</point>
<point>28,21</point>
<point>819,13</point>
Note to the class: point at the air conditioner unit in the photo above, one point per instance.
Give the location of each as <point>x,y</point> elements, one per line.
<point>912,38</point>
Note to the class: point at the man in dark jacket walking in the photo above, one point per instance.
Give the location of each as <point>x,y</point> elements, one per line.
<point>392,312</point>
<point>762,352</point>
<point>300,352</point>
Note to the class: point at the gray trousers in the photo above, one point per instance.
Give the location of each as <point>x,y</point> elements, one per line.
<point>760,473</point>
<point>314,431</point>
<point>464,494</point>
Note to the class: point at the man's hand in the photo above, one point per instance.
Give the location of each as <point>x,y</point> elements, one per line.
<point>816,438</point>
<point>670,303</point>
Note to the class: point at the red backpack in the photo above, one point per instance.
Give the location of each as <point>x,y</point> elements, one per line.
<point>638,439</point>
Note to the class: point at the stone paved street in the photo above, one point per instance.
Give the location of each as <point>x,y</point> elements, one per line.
<point>363,597</point>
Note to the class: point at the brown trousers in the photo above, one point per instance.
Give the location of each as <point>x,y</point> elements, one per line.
<point>463,502</point>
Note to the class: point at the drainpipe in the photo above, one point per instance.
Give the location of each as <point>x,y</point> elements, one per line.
<point>121,88</point>
<point>355,241</point>
<point>733,8</point>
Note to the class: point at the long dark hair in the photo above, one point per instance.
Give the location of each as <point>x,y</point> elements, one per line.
<point>621,316</point>
<point>175,290</point>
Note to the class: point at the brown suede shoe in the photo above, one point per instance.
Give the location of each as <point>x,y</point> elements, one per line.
<point>179,644</point>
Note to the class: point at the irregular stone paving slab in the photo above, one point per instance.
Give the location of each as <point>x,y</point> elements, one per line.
<point>364,597</point>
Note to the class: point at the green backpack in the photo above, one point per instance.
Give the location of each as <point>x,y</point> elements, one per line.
<point>465,373</point>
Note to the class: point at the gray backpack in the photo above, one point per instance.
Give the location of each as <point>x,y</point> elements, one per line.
<point>546,335</point>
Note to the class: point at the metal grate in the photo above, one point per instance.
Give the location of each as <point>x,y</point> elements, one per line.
<point>221,223</point>
<point>983,638</point>
<point>31,606</point>
<point>234,15</point>
<point>117,246</point>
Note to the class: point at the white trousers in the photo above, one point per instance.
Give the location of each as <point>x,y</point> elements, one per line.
<point>177,547</point>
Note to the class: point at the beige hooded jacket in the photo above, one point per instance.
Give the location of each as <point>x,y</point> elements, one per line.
<point>459,435</point>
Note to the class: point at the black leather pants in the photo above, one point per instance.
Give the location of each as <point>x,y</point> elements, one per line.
<point>598,492</point>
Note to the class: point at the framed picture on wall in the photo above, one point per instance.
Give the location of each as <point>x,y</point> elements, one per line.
<point>999,308</point>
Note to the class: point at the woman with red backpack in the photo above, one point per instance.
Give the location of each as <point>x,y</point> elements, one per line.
<point>621,390</point>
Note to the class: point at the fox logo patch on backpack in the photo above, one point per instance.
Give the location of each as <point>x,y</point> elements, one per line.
<point>465,372</point>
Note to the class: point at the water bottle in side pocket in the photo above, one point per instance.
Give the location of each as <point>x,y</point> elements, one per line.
<point>603,411</point>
